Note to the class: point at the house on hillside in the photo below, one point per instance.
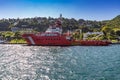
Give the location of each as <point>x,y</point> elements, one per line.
<point>25,28</point>
<point>85,35</point>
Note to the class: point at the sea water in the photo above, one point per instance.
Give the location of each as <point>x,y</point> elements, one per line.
<point>21,62</point>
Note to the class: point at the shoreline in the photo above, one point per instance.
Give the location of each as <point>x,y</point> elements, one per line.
<point>26,43</point>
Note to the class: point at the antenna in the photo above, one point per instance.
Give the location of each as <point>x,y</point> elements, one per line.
<point>60,16</point>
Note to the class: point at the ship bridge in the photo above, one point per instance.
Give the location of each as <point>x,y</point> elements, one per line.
<point>54,30</point>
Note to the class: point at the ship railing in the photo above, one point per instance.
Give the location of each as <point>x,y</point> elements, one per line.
<point>30,32</point>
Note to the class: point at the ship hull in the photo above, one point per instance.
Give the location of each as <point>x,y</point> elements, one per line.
<point>94,43</point>
<point>60,40</point>
<point>32,39</point>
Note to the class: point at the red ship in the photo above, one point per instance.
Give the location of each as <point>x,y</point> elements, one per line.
<point>53,37</point>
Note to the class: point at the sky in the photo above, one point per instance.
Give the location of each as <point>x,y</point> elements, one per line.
<point>78,9</point>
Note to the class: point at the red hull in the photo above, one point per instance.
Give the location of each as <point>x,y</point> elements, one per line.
<point>60,40</point>
<point>94,43</point>
<point>36,39</point>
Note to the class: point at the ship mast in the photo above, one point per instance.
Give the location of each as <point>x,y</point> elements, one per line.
<point>57,27</point>
<point>61,22</point>
<point>60,16</point>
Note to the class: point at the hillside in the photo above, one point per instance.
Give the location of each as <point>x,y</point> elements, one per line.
<point>114,23</point>
<point>112,28</point>
<point>42,23</point>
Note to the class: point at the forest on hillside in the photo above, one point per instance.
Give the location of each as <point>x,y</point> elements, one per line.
<point>110,28</point>
<point>42,23</point>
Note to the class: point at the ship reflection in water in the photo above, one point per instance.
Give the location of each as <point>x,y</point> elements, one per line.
<point>19,62</point>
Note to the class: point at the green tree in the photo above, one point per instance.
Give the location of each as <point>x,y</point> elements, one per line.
<point>17,35</point>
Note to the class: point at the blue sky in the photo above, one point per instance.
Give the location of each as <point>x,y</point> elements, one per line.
<point>78,9</point>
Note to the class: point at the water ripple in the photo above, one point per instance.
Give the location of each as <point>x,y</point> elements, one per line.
<point>19,62</point>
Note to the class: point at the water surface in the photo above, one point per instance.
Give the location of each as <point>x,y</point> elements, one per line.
<point>20,62</point>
